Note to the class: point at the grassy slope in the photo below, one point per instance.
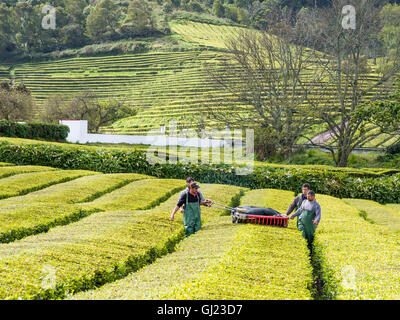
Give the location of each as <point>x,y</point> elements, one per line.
<point>4,74</point>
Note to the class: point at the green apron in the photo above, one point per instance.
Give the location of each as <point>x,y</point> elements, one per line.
<point>305,223</point>
<point>191,216</point>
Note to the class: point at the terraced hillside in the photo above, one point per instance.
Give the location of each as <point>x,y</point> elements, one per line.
<point>203,33</point>
<point>144,80</point>
<point>165,86</point>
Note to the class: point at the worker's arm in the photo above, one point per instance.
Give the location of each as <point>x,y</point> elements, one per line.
<point>203,201</point>
<point>292,206</point>
<point>181,202</point>
<point>317,214</point>
<point>297,213</point>
<point>173,213</point>
<point>181,196</point>
<point>206,203</point>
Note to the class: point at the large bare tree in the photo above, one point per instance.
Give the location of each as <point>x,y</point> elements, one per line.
<point>268,80</point>
<point>351,79</point>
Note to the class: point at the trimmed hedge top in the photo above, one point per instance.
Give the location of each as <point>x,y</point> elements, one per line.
<point>378,186</point>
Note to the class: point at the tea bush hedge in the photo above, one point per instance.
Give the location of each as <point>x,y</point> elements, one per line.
<point>42,210</point>
<point>34,130</point>
<point>93,251</point>
<point>380,188</point>
<point>358,260</point>
<point>377,213</point>
<point>21,184</point>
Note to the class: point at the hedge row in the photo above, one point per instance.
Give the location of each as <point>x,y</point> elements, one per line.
<point>374,212</point>
<point>357,260</point>
<point>101,248</point>
<point>156,281</point>
<point>383,189</point>
<point>34,130</point>
<point>42,210</point>
<point>21,184</point>
<point>267,263</point>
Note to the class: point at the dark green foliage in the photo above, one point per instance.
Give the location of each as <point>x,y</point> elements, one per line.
<point>34,130</point>
<point>393,149</point>
<point>218,8</point>
<point>354,184</point>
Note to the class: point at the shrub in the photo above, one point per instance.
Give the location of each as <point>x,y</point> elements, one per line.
<point>393,149</point>
<point>341,183</point>
<point>34,130</point>
<point>359,258</point>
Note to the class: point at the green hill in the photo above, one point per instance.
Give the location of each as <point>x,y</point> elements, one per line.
<point>165,84</point>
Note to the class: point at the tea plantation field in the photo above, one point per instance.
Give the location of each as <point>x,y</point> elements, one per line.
<point>165,85</point>
<point>77,234</point>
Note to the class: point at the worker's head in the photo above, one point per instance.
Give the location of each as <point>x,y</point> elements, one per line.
<point>305,188</point>
<point>311,195</point>
<point>194,188</point>
<point>189,181</point>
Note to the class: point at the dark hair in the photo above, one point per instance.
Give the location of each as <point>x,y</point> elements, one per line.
<point>306,185</point>
<point>194,185</point>
<point>311,193</point>
<point>188,179</point>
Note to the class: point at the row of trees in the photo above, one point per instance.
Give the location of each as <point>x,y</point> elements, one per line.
<point>314,73</point>
<point>81,22</point>
<point>78,22</point>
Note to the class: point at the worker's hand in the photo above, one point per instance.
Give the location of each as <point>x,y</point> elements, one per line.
<point>315,223</point>
<point>182,210</point>
<point>209,202</point>
<point>291,218</point>
<point>172,218</point>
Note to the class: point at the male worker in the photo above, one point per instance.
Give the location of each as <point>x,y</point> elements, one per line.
<point>309,216</point>
<point>191,216</point>
<point>189,181</point>
<point>298,201</point>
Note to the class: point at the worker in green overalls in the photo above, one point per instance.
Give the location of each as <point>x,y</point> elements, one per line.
<point>296,204</point>
<point>191,201</point>
<point>309,216</point>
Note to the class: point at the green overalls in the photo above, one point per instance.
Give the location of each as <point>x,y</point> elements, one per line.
<point>305,223</point>
<point>191,216</point>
